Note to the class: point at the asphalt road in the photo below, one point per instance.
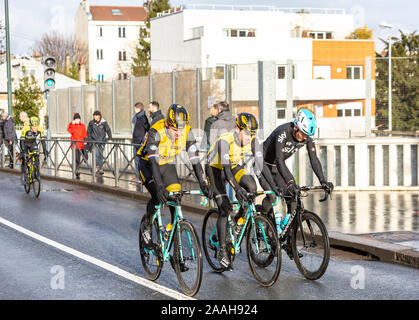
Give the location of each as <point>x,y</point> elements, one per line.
<point>73,243</point>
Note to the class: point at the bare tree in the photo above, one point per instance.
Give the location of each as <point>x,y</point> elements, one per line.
<point>59,46</point>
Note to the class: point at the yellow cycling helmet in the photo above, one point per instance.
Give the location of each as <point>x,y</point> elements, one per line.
<point>34,121</point>
<point>177,116</point>
<point>246,121</point>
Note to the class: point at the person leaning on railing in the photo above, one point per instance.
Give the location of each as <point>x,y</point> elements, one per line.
<point>78,133</point>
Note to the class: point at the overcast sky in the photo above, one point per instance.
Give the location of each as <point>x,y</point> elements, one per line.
<point>29,19</point>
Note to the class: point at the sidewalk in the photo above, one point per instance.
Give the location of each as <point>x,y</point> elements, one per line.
<point>400,247</point>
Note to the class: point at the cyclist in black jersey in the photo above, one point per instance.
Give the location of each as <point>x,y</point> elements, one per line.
<point>281,144</point>
<point>224,166</point>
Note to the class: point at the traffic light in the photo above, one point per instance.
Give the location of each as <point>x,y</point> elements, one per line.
<point>46,122</point>
<point>49,72</point>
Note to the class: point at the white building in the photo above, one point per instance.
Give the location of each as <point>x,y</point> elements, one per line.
<point>329,70</point>
<point>111,34</point>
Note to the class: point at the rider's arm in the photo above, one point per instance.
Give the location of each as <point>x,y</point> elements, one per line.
<point>280,160</point>
<point>153,155</point>
<point>223,151</point>
<point>314,160</point>
<point>260,167</point>
<point>42,137</point>
<point>193,153</point>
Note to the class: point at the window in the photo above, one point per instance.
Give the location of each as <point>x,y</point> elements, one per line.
<point>116,12</point>
<point>197,32</point>
<point>100,31</point>
<point>282,72</point>
<point>242,33</point>
<point>99,54</point>
<point>281,110</point>
<point>321,72</point>
<point>122,76</point>
<point>320,35</point>
<point>122,56</point>
<point>354,72</point>
<point>349,109</point>
<point>121,32</point>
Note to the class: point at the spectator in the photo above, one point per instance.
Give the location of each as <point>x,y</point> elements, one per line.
<point>10,136</point>
<point>141,127</point>
<point>224,123</point>
<point>207,127</point>
<point>78,133</point>
<point>1,130</point>
<point>23,117</point>
<point>155,112</point>
<point>97,130</point>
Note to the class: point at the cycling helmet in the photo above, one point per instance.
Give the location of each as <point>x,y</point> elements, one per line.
<point>34,121</point>
<point>247,121</point>
<point>177,116</point>
<point>305,122</point>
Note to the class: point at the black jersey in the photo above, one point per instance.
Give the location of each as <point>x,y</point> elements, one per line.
<point>281,144</point>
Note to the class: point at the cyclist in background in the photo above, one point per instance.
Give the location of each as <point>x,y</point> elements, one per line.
<point>28,141</point>
<point>223,166</point>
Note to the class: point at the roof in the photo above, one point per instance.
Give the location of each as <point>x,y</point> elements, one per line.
<point>117,13</point>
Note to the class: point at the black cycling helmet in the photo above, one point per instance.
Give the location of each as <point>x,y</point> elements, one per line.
<point>247,121</point>
<point>177,116</point>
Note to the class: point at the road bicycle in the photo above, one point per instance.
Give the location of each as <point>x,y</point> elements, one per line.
<point>187,253</point>
<point>31,173</point>
<point>304,238</point>
<point>262,243</point>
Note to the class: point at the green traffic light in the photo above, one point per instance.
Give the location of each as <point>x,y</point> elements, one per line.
<point>49,83</point>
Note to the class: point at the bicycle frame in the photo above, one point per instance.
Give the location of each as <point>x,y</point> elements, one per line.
<point>251,211</point>
<point>166,245</point>
<point>31,159</point>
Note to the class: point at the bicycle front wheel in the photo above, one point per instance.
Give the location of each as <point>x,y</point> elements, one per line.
<point>312,255</point>
<point>188,258</point>
<point>150,259</point>
<point>263,251</point>
<point>36,183</point>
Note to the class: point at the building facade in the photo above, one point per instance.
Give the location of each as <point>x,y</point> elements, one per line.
<point>111,34</point>
<point>328,69</point>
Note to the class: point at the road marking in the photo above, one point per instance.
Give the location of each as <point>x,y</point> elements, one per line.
<point>120,272</point>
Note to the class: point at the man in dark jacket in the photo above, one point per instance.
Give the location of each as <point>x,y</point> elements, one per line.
<point>97,130</point>
<point>1,129</point>
<point>141,127</point>
<point>155,112</point>
<point>10,136</point>
<point>224,123</point>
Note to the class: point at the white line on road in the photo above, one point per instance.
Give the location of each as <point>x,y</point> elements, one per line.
<point>141,281</point>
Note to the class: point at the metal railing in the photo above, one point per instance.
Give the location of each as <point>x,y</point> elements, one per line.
<point>111,163</point>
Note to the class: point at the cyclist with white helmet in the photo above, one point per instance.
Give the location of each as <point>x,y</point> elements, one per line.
<point>281,144</point>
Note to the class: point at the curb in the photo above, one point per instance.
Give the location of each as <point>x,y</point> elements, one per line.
<point>378,250</point>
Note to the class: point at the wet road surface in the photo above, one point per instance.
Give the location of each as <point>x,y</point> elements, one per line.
<point>105,228</point>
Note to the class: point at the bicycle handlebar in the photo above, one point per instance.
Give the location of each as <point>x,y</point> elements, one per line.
<point>193,192</point>
<point>326,192</point>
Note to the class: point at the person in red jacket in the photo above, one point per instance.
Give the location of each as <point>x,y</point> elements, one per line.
<point>78,133</point>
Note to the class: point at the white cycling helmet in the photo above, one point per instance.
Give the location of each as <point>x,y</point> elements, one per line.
<point>305,122</point>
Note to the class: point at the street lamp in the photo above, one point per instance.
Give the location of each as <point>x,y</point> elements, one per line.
<point>385,25</point>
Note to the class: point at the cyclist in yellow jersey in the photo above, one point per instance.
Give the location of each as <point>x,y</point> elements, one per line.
<point>165,140</point>
<point>224,166</point>
<point>28,140</point>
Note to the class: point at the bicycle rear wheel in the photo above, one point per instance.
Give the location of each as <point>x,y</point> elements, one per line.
<point>210,240</point>
<point>151,259</point>
<point>263,251</point>
<point>312,258</point>
<point>187,251</point>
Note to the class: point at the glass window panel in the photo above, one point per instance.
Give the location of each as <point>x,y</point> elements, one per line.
<point>348,112</point>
